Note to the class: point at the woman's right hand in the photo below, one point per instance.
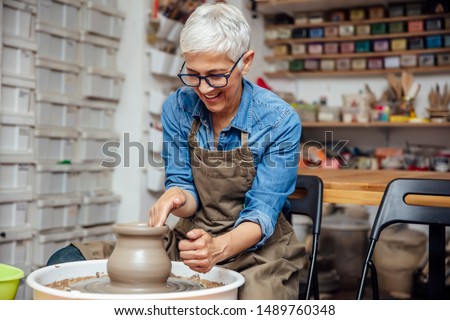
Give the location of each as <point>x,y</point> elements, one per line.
<point>172,199</point>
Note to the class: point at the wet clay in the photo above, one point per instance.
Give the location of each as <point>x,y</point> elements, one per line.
<point>138,264</point>
<point>139,261</point>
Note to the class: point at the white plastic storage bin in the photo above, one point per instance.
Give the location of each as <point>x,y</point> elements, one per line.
<point>19,20</point>
<point>56,180</point>
<point>156,99</point>
<point>161,62</point>
<point>98,233</point>
<point>55,213</point>
<point>16,142</point>
<point>101,84</point>
<point>99,210</point>
<point>102,20</point>
<point>155,179</point>
<point>96,115</point>
<point>91,144</point>
<point>17,100</point>
<point>53,146</point>
<point>15,214</point>
<point>57,113</point>
<point>57,78</point>
<point>105,3</point>
<point>16,177</point>
<point>95,179</point>
<point>155,139</point>
<point>18,62</point>
<point>45,244</point>
<point>57,45</point>
<point>15,245</point>
<point>61,14</point>
<point>98,52</point>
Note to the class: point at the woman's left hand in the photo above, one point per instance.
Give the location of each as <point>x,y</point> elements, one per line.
<point>199,251</point>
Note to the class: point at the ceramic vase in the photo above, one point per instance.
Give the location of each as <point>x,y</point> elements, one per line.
<point>139,262</point>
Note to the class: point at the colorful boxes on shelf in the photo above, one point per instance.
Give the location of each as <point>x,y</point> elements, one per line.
<point>296,65</point>
<point>363,46</point>
<point>299,33</point>
<point>316,33</point>
<point>343,64</point>
<point>311,64</point>
<point>378,28</point>
<point>315,48</point>
<point>337,15</point>
<point>415,26</point>
<point>374,63</point>
<point>408,60</point>
<point>426,60</point>
<point>413,9</point>
<point>392,62</point>
<point>347,47</point>
<point>397,27</point>
<point>377,12</point>
<point>415,43</point>
<point>433,42</point>
<point>346,30</point>
<point>447,40</point>
<point>399,44</point>
<point>327,64</point>
<point>443,59</point>
<point>357,14</point>
<point>381,45</point>
<point>363,30</point>
<point>331,47</point>
<point>331,31</point>
<point>359,64</point>
<point>298,48</point>
<point>434,24</point>
<point>396,10</point>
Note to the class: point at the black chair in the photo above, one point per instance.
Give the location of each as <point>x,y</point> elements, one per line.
<point>307,200</point>
<point>395,207</point>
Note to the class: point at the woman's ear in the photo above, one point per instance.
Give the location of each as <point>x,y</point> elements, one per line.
<point>247,60</point>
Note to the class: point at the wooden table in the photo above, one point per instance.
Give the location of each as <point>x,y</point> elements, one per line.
<point>366,187</point>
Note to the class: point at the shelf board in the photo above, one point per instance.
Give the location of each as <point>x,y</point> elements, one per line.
<point>355,55</point>
<point>290,6</point>
<point>300,74</point>
<point>272,43</point>
<point>359,22</point>
<point>374,125</point>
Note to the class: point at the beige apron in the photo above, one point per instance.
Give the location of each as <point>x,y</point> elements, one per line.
<point>221,179</point>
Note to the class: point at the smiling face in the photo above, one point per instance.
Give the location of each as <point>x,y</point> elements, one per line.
<point>224,101</point>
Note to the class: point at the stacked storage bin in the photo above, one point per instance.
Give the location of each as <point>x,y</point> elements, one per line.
<point>57,99</point>
<point>101,85</point>
<point>17,169</point>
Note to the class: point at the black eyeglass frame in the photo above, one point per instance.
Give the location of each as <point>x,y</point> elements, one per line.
<point>223,75</point>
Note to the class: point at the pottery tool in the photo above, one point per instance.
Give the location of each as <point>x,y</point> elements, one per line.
<point>406,83</point>
<point>154,23</point>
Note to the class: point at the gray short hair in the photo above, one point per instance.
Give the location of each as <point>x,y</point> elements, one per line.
<point>216,28</point>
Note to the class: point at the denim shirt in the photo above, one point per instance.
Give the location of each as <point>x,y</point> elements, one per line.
<point>274,138</point>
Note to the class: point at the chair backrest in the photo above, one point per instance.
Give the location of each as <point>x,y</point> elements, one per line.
<point>307,200</point>
<point>399,206</point>
<point>394,209</point>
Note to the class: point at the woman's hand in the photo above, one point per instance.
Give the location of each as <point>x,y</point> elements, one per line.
<point>172,199</point>
<point>200,252</point>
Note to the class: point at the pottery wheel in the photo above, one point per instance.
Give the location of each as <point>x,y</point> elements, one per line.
<point>103,285</point>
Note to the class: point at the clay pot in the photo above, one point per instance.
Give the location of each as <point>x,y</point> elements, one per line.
<point>139,262</point>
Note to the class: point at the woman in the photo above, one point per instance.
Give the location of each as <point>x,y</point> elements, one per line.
<point>231,154</point>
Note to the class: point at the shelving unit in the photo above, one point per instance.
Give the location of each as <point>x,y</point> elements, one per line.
<point>374,125</point>
<point>284,56</point>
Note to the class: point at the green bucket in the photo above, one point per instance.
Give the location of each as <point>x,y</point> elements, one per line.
<point>9,281</point>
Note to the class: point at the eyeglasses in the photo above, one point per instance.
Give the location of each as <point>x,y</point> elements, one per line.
<point>219,80</point>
